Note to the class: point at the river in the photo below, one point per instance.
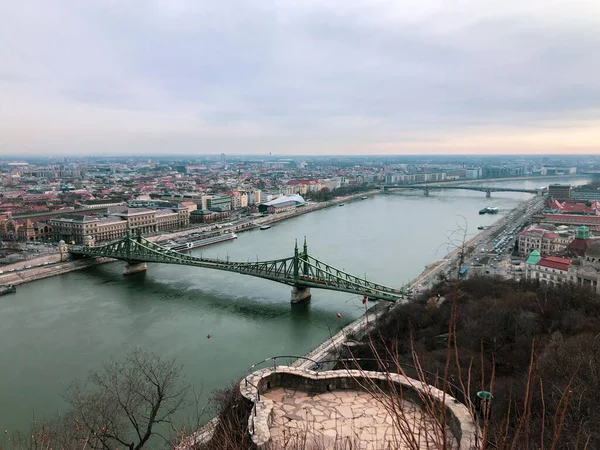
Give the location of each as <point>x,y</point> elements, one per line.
<point>54,331</point>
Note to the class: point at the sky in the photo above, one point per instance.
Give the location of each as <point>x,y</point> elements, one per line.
<point>299,77</point>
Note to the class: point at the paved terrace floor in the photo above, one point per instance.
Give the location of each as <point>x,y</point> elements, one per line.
<point>343,420</point>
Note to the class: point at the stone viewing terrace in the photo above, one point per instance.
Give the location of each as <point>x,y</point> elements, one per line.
<point>351,409</point>
<point>342,419</point>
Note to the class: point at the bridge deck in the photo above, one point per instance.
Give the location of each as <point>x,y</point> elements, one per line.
<point>300,270</point>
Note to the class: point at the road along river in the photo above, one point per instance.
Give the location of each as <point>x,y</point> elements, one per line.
<point>53,331</point>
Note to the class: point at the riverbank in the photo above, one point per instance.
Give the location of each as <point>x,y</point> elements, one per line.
<point>50,270</point>
<point>52,265</point>
<point>330,348</point>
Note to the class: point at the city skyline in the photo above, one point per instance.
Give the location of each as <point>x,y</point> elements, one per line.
<point>298,78</point>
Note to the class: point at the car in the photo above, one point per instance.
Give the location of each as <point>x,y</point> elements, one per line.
<point>46,263</point>
<point>28,267</point>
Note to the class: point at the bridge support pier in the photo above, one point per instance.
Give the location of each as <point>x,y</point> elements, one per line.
<point>300,294</point>
<point>488,194</point>
<point>426,191</point>
<point>132,268</point>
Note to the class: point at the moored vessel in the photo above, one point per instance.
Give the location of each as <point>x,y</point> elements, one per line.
<point>265,227</point>
<point>8,289</point>
<point>187,246</point>
<point>489,210</point>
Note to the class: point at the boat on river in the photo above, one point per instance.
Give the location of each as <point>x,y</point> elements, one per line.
<point>265,227</point>
<point>187,246</point>
<point>341,204</point>
<point>8,289</point>
<point>489,210</point>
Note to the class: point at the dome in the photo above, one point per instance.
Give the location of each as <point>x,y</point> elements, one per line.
<point>61,242</point>
<point>593,251</point>
<point>583,232</point>
<point>534,257</point>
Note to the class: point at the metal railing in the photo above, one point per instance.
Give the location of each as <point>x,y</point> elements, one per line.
<point>386,366</point>
<point>253,368</point>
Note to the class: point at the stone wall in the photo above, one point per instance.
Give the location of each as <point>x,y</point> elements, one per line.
<point>458,417</point>
<point>50,270</point>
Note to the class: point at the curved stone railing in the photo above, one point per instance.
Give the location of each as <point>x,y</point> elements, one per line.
<point>458,417</point>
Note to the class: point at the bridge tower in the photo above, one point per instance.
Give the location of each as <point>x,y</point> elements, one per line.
<point>488,193</point>
<point>300,293</point>
<point>133,266</point>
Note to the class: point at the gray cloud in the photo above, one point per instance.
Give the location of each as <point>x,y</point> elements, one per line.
<point>286,73</point>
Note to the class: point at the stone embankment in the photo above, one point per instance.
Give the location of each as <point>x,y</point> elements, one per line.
<point>55,268</point>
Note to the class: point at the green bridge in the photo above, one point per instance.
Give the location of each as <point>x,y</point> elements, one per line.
<point>301,271</point>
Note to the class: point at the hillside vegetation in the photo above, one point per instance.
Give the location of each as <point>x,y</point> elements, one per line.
<point>536,348</point>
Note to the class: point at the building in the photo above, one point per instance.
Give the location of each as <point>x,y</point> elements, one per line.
<point>282,204</point>
<point>573,208</point>
<point>253,197</point>
<point>570,219</point>
<point>218,203</point>
<point>560,191</point>
<point>545,241</point>
<point>167,219</point>
<point>585,195</point>
<point>110,229</point>
<point>95,204</point>
<point>580,244</point>
<point>74,228</point>
<point>206,216</point>
<point>550,269</point>
<point>585,271</point>
<point>473,173</point>
<point>302,187</point>
<point>239,200</point>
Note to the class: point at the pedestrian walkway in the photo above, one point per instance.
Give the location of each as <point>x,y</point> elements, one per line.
<point>346,419</point>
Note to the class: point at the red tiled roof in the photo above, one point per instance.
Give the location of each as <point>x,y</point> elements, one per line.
<point>532,231</point>
<point>573,218</point>
<point>579,246</point>
<point>297,182</point>
<point>555,262</point>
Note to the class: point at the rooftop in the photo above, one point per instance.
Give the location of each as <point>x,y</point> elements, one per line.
<point>555,262</point>
<point>296,198</point>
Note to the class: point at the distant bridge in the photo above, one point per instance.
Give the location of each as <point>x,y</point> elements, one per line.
<point>488,190</point>
<point>300,271</point>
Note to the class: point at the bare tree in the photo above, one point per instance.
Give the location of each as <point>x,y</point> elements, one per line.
<point>125,403</point>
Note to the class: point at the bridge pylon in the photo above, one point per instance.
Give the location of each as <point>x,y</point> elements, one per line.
<point>488,193</point>
<point>426,191</point>
<point>300,292</point>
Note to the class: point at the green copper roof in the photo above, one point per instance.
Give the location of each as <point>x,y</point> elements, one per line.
<point>583,232</point>
<point>534,257</point>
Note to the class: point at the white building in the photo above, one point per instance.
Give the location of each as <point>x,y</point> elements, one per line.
<point>550,270</point>
<point>586,270</point>
<point>546,242</point>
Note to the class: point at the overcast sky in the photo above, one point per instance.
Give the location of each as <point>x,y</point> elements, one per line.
<point>299,76</point>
